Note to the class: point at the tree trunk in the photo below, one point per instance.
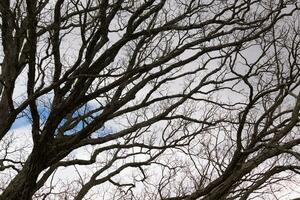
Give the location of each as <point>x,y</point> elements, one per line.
<point>23,186</point>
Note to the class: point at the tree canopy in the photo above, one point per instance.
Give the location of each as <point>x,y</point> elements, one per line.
<point>149,99</point>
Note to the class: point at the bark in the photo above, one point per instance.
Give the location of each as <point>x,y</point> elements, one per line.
<point>24,184</point>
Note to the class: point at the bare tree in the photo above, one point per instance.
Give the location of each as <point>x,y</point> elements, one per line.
<point>149,99</point>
